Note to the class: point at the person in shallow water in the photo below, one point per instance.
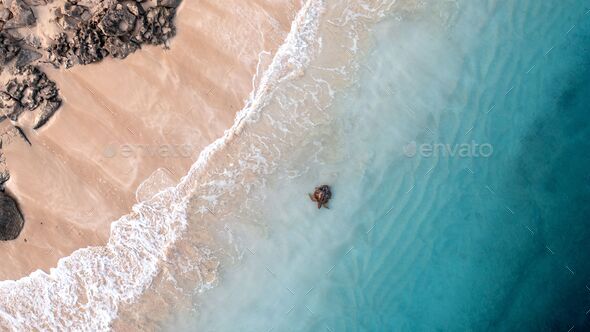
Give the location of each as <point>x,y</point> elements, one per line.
<point>322,196</point>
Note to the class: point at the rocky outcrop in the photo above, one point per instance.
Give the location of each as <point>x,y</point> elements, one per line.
<point>158,26</point>
<point>71,14</point>
<point>26,88</point>
<point>9,108</point>
<point>9,48</point>
<point>116,29</point>
<point>109,28</point>
<point>11,219</point>
<point>48,108</point>
<point>21,15</point>
<point>113,28</point>
<point>29,89</point>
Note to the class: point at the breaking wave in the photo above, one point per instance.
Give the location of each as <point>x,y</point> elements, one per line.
<point>86,289</point>
<point>178,231</point>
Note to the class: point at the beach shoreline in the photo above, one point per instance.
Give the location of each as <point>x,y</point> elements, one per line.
<point>146,245</point>
<point>123,120</point>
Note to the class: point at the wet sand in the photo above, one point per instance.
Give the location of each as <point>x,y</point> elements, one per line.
<point>122,120</point>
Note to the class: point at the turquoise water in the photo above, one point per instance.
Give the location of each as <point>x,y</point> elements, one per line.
<point>460,169</point>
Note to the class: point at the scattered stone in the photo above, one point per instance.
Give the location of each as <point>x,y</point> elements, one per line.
<point>11,219</point>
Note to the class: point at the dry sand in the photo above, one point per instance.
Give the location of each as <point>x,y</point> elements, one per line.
<point>122,120</point>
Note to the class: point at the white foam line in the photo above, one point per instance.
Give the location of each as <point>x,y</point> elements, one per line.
<point>123,269</point>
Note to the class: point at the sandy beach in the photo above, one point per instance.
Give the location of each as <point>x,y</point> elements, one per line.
<point>123,120</point>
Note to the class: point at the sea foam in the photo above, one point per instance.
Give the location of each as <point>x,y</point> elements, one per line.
<point>86,289</point>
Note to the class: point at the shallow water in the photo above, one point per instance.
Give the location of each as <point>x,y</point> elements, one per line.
<point>455,137</point>
<point>459,164</point>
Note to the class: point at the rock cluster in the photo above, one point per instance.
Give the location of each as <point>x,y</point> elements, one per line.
<point>11,219</point>
<point>29,89</point>
<point>11,48</point>
<point>90,33</point>
<point>117,29</point>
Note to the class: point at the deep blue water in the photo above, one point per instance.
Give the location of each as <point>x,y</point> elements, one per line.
<point>462,197</point>
<point>496,243</point>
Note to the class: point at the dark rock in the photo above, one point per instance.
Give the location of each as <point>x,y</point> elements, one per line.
<point>30,99</point>
<point>26,56</point>
<point>5,16</point>
<point>22,15</point>
<point>117,30</point>
<point>71,15</point>
<point>135,8</point>
<point>158,26</point>
<point>29,89</point>
<point>11,219</point>
<point>60,52</point>
<point>76,11</point>
<point>88,44</point>
<point>117,21</point>
<point>119,48</point>
<point>168,3</point>
<point>30,75</point>
<point>113,27</point>
<point>68,22</point>
<point>14,89</point>
<point>4,176</point>
<point>22,134</point>
<point>47,110</point>
<point>48,91</point>
<point>9,107</point>
<point>8,48</point>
